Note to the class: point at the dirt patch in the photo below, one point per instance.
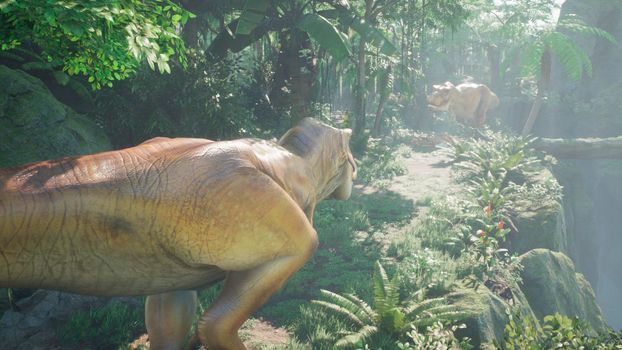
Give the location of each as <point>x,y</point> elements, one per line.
<point>427,176</point>
<point>255,333</point>
<point>261,333</point>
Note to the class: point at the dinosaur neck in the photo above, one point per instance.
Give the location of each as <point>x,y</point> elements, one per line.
<point>324,170</point>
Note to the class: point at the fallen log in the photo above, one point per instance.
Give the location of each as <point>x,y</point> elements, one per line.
<point>582,148</point>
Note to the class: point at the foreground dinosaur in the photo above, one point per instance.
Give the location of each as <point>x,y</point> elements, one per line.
<point>468,102</point>
<point>170,216</point>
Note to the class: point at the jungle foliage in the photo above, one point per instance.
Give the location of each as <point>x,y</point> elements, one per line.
<point>101,40</point>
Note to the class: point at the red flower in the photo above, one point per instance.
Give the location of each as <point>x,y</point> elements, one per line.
<point>488,209</point>
<point>481,233</point>
<point>501,225</point>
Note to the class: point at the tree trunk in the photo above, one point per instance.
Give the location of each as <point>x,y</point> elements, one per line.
<point>360,97</point>
<point>379,112</point>
<point>582,148</point>
<point>494,58</point>
<point>295,75</point>
<point>545,77</point>
<point>534,112</point>
<point>361,68</point>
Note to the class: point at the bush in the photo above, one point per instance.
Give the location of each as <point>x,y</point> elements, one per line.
<point>379,165</point>
<point>388,318</point>
<point>206,100</point>
<point>557,332</point>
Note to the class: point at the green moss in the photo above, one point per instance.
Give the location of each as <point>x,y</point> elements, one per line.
<point>540,222</point>
<point>551,285</point>
<point>489,315</point>
<point>35,126</point>
<point>540,228</point>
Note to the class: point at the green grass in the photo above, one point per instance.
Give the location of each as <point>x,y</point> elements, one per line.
<point>348,248</point>
<point>112,326</point>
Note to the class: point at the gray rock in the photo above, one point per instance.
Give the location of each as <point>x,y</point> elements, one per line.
<point>37,317</point>
<point>551,285</point>
<point>35,126</point>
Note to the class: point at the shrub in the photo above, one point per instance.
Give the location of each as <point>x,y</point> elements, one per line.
<point>379,165</point>
<point>437,336</point>
<point>557,332</point>
<point>387,317</point>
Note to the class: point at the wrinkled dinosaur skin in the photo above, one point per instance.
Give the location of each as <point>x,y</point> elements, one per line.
<point>171,216</point>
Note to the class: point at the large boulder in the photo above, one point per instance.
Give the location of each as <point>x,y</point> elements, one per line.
<point>34,125</point>
<point>551,285</point>
<point>540,224</point>
<point>489,313</point>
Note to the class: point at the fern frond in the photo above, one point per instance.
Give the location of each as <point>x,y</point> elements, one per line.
<point>344,306</point>
<point>340,310</point>
<point>368,315</point>
<point>573,23</point>
<point>447,317</point>
<point>573,58</point>
<point>355,338</point>
<point>531,58</point>
<point>386,294</point>
<point>418,308</point>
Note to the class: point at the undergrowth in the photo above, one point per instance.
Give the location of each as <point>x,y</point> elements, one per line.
<point>108,327</point>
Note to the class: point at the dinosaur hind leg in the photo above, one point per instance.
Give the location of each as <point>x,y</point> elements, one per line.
<point>168,317</point>
<point>245,291</point>
<point>483,106</point>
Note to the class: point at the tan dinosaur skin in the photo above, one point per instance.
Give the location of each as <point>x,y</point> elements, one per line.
<point>170,216</point>
<point>468,102</point>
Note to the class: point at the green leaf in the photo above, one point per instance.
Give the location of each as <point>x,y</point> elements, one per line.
<point>252,14</point>
<point>61,77</point>
<point>326,35</point>
<point>376,37</point>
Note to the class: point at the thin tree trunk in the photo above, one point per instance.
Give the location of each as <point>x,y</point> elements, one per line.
<point>361,91</point>
<point>359,103</point>
<point>543,82</point>
<point>379,112</point>
<point>534,112</point>
<point>494,58</point>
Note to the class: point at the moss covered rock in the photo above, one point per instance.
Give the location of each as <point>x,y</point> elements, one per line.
<point>551,284</point>
<point>489,313</point>
<point>35,126</point>
<point>541,224</point>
